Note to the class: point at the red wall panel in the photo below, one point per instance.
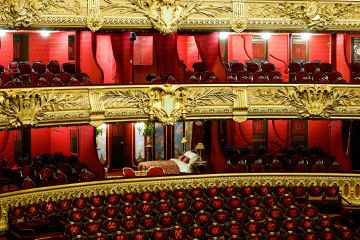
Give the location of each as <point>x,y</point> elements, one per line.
<point>40,139</point>
<point>105,58</point>
<point>87,151</point>
<point>240,47</point>
<point>243,134</point>
<point>38,47</point>
<point>60,140</point>
<point>337,145</point>
<point>278,53</point>
<point>58,46</point>
<point>320,47</point>
<point>87,58</point>
<point>319,134</point>
<point>6,49</point>
<point>277,135</point>
<point>8,138</point>
<point>187,50</point>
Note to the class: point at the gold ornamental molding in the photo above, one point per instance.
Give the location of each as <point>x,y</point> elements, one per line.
<point>348,186</point>
<point>169,16</point>
<point>94,105</point>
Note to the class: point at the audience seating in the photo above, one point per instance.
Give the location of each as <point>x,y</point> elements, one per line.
<point>23,74</point>
<point>299,160</point>
<point>200,74</point>
<point>227,212</point>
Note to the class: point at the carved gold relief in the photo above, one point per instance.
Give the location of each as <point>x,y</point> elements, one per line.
<point>171,103</point>
<point>21,13</point>
<point>310,15</point>
<point>310,101</point>
<point>165,15</point>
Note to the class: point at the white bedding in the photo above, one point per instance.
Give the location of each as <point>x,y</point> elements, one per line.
<point>186,167</point>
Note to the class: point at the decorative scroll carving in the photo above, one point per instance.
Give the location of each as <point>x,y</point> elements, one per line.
<point>21,13</point>
<point>171,103</point>
<point>94,18</point>
<point>238,20</point>
<point>97,108</point>
<point>26,108</point>
<point>311,102</point>
<point>347,184</point>
<point>311,15</point>
<point>164,15</point>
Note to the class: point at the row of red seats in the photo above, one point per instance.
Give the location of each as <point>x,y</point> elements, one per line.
<point>46,79</point>
<point>228,212</point>
<point>355,72</point>
<point>39,67</point>
<point>314,72</point>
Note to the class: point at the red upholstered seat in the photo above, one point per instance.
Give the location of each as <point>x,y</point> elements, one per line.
<point>155,171</point>
<point>325,67</point>
<point>259,77</point>
<point>252,67</point>
<point>128,172</point>
<point>310,67</point>
<point>267,67</point>
<point>54,67</point>
<point>303,77</point>
<point>24,68</point>
<point>39,68</point>
<point>69,68</point>
<point>275,76</point>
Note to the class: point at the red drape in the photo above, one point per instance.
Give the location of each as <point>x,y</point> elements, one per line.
<point>87,58</point>
<point>122,49</point>
<point>208,45</point>
<point>214,155</point>
<point>167,58</point>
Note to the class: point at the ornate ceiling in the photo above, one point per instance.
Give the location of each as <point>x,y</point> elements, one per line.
<point>168,16</point>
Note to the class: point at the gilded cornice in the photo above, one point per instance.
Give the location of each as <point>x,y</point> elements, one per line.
<point>169,16</point>
<point>347,183</point>
<point>33,107</point>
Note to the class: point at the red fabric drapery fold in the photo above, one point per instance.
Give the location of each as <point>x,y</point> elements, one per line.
<point>209,50</point>
<point>122,49</point>
<point>167,57</point>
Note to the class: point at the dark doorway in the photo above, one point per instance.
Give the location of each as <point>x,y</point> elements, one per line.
<point>117,152</point>
<point>21,47</point>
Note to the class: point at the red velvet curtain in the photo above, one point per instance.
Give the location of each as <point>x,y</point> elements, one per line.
<point>167,57</point>
<point>122,49</point>
<point>216,160</point>
<point>208,45</point>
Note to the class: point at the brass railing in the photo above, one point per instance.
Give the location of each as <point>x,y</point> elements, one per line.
<point>349,186</point>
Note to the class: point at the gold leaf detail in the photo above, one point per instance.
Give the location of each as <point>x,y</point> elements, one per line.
<point>165,15</point>
<point>310,102</point>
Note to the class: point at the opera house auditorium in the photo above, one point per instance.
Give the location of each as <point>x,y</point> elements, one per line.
<point>176,120</point>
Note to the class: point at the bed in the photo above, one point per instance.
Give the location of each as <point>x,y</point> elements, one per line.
<point>182,164</point>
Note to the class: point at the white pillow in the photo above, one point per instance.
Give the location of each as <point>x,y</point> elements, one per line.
<point>190,154</point>
<point>193,158</point>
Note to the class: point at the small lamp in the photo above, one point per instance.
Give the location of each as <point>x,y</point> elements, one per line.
<point>200,146</point>
<point>184,141</point>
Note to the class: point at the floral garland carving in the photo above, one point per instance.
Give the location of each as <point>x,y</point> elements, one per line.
<point>21,13</point>
<point>27,108</point>
<point>310,102</point>
<point>164,15</point>
<point>312,15</point>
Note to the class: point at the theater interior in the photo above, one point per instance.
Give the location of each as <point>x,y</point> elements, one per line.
<point>168,119</point>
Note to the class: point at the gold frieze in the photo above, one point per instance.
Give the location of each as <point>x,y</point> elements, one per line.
<point>169,16</point>
<point>171,103</point>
